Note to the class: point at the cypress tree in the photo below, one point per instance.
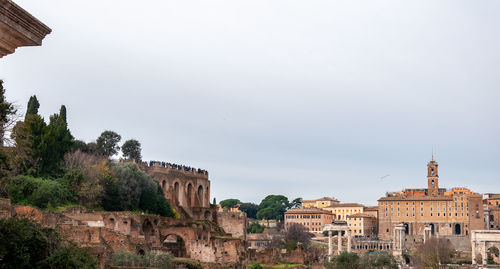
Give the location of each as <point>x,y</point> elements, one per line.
<point>33,106</point>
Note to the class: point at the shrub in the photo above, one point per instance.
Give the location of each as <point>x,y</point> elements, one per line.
<point>21,187</point>
<point>148,259</point>
<point>25,244</point>
<point>38,192</point>
<point>50,193</point>
<point>255,266</point>
<point>255,228</point>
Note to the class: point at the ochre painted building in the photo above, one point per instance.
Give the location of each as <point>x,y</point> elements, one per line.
<point>447,213</point>
<point>320,203</point>
<point>362,225</point>
<point>343,210</point>
<point>313,219</point>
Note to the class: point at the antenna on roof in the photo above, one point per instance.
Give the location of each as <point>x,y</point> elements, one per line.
<point>432,154</point>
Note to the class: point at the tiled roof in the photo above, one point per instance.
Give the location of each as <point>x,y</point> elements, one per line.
<point>361,215</point>
<point>312,210</point>
<point>346,205</point>
<point>417,198</point>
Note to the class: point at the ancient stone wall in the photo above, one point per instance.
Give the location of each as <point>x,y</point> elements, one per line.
<point>106,232</point>
<point>186,189</point>
<point>234,223</point>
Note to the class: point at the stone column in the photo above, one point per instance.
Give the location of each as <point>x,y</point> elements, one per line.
<point>485,254</point>
<point>339,235</point>
<point>427,233</point>
<point>348,240</point>
<point>473,245</point>
<point>330,245</point>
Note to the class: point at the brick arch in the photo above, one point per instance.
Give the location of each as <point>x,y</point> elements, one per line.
<point>189,194</point>
<point>177,191</point>
<point>185,233</point>
<point>200,195</point>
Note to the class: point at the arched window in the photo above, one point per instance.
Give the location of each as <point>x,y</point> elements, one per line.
<point>200,195</point>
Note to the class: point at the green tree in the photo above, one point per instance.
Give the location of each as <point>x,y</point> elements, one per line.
<point>250,208</point>
<point>255,228</point>
<point>277,204</point>
<point>79,145</point>
<point>62,113</point>
<point>229,203</point>
<point>33,106</point>
<point>381,260</point>
<point>71,256</point>
<point>297,202</point>
<point>131,149</point>
<point>107,143</point>
<point>266,213</point>
<point>27,136</point>
<point>7,111</point>
<point>136,190</point>
<point>40,148</point>
<point>25,244</point>
<point>346,260</point>
<point>38,192</point>
<point>55,143</point>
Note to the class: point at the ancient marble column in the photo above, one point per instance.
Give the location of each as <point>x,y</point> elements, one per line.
<point>339,235</point>
<point>330,245</point>
<point>348,240</point>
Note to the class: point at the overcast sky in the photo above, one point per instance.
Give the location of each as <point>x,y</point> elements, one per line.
<point>301,98</point>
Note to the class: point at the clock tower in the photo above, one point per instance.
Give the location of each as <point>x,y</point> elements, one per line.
<point>432,178</point>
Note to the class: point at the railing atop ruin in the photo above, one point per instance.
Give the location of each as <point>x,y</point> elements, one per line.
<point>167,165</point>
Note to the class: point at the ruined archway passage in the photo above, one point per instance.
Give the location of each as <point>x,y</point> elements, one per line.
<point>175,245</point>
<point>457,230</point>
<point>148,230</point>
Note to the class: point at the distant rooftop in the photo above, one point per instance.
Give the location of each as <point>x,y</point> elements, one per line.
<point>346,205</point>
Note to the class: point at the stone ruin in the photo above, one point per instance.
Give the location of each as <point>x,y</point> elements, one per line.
<point>198,233</point>
<point>104,233</point>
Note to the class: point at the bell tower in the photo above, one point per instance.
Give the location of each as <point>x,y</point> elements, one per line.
<point>432,178</point>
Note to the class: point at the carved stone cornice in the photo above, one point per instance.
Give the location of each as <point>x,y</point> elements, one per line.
<point>19,28</point>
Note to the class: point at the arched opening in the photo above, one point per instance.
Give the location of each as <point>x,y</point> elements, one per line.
<point>457,229</point>
<point>200,195</point>
<point>407,229</point>
<point>432,183</point>
<point>163,184</point>
<point>208,216</point>
<point>493,255</point>
<point>148,230</point>
<point>176,192</point>
<point>432,228</point>
<point>189,194</point>
<point>175,245</point>
<point>479,259</point>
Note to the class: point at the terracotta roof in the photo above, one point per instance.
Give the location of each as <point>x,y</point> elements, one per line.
<point>311,210</point>
<point>360,215</point>
<point>322,199</point>
<point>371,208</point>
<point>346,205</point>
<point>417,198</point>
